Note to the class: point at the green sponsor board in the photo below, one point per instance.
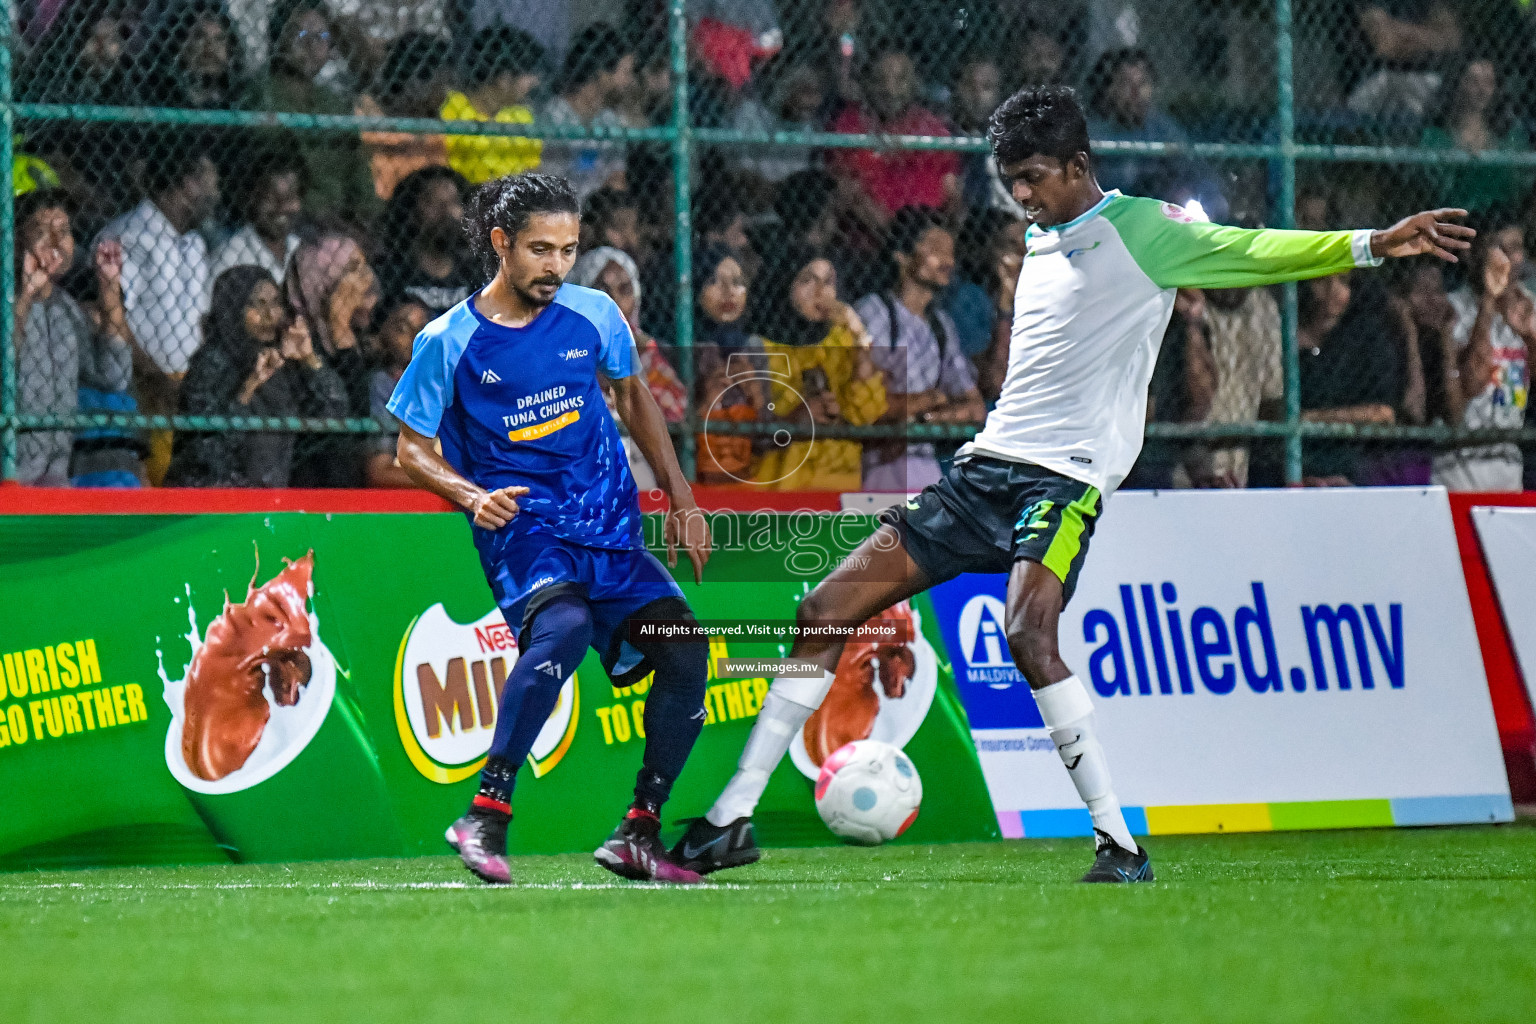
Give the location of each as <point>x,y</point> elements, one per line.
<point>295,686</point>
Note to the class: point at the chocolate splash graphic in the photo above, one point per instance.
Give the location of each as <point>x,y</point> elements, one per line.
<point>257,643</point>
<point>849,711</point>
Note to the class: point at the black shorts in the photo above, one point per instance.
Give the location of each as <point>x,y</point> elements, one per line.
<point>988,513</point>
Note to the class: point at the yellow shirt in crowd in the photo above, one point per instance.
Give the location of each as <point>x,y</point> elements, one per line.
<point>483,157</point>
<point>832,464</point>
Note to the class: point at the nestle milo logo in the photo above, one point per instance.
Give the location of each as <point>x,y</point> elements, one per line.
<point>449,677</point>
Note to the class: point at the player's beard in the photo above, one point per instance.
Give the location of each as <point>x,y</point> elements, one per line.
<point>532,298</point>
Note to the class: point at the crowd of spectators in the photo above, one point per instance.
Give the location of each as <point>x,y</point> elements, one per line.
<point>257,272</point>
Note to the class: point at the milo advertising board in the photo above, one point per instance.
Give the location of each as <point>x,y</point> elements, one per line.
<point>294,686</point>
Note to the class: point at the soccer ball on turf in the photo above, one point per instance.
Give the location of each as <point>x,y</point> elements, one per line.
<point>868,792</point>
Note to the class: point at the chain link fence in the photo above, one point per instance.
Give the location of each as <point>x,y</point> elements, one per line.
<point>231,218</point>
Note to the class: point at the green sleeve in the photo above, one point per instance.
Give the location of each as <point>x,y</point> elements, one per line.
<point>1177,252</point>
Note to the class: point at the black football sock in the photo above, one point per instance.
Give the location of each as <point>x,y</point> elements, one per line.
<point>674,714</point>
<point>495,795</point>
<point>558,638</point>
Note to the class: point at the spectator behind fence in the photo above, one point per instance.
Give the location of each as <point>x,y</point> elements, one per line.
<point>614,272</point>
<point>194,60</point>
<point>1432,317</point>
<point>832,37</point>
<point>917,347</point>
<point>1352,371</point>
<point>1242,335</point>
<point>267,196</point>
<point>252,365</point>
<point>547,21</point>
<point>399,319</point>
<point>340,184</point>
<point>1476,118</point>
<point>331,287</point>
<point>831,380</point>
<point>1002,260</point>
<point>720,221</point>
<point>412,83</point>
<point>990,241</point>
<point>165,272</point>
<point>976,93</point>
<point>731,37</point>
<point>611,217</point>
<point>1042,57</point>
<point>729,369</point>
<point>1124,109</point>
<point>598,69</point>
<point>1495,331</point>
<point>891,179</point>
<point>1403,48</point>
<point>84,58</point>
<point>793,104</point>
<point>165,269</point>
<point>57,351</point>
<point>1179,392</point>
<point>368,27</point>
<point>501,71</point>
<point>425,252</point>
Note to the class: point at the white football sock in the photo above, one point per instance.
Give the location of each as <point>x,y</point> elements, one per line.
<point>786,708</point>
<point>1068,714</point>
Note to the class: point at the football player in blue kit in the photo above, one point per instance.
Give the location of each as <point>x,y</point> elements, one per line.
<point>510,384</point>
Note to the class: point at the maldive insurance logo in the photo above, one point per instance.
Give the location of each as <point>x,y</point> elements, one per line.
<point>448,682</point>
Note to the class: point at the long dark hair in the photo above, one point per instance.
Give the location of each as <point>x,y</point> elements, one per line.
<point>509,203</point>
<point>772,312</point>
<point>400,222</point>
<point>224,326</point>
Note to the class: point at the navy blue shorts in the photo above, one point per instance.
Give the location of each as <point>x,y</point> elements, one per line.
<point>528,569</point>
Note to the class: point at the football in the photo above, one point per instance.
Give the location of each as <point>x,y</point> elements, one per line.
<point>868,792</point>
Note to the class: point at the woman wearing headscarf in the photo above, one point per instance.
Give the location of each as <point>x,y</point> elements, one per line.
<point>612,271</point>
<point>831,378</point>
<point>250,364</point>
<point>615,272</point>
<point>731,374</point>
<point>332,290</point>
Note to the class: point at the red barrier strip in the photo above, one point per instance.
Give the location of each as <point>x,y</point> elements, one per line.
<point>46,501</point>
<point>1506,685</point>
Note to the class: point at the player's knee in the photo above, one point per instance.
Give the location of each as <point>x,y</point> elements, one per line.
<point>564,623</point>
<point>814,608</point>
<point>1032,642</point>
<point>681,669</point>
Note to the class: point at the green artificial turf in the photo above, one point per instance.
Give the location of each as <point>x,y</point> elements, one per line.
<point>1389,925</point>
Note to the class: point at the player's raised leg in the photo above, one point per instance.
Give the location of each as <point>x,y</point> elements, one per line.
<point>557,639</point>
<point>724,838</point>
<point>1035,599</point>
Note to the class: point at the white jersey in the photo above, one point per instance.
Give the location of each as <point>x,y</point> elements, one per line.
<point>1093,301</point>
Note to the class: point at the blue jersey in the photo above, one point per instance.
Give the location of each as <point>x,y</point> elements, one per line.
<point>521,406</point>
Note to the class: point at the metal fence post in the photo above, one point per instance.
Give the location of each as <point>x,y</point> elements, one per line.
<point>8,339</point>
<point>682,243</point>
<point>1290,357</point>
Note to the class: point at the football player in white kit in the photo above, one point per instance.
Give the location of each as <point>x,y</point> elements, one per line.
<point>1100,274</point>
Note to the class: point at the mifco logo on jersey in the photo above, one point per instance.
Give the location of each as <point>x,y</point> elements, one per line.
<point>573,353</point>
<point>448,682</point>
<point>984,644</point>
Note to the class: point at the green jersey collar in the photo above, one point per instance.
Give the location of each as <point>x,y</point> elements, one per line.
<point>1086,215</point>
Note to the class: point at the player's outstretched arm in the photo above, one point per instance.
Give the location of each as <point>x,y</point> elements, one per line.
<point>423,463</point>
<point>685,523</point>
<point>1176,251</point>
